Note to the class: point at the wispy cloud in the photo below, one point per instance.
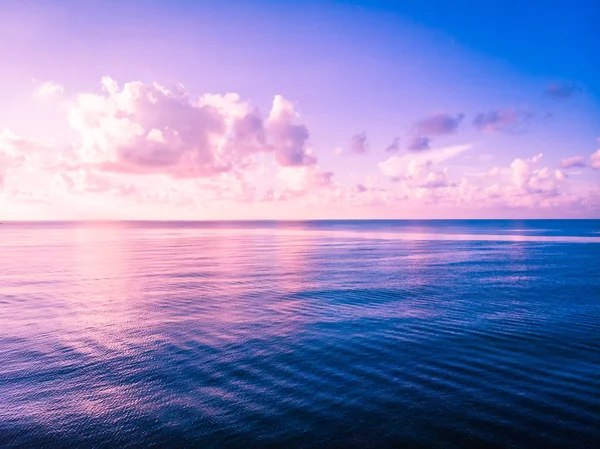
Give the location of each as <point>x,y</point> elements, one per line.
<point>394,147</point>
<point>574,161</point>
<point>410,165</point>
<point>438,124</point>
<point>419,143</point>
<point>502,120</point>
<point>358,143</point>
<point>562,90</point>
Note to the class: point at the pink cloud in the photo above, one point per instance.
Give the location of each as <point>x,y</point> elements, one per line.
<point>394,147</point>
<point>148,129</point>
<point>438,124</point>
<point>527,179</point>
<point>142,144</point>
<point>502,120</point>
<point>574,161</point>
<point>595,160</point>
<point>419,143</point>
<point>412,166</point>
<point>304,179</point>
<point>434,180</point>
<point>287,140</point>
<point>16,152</point>
<point>358,143</point>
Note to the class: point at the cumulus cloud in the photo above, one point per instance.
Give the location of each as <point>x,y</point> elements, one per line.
<point>287,139</point>
<point>522,185</point>
<point>148,129</point>
<point>502,120</point>
<point>574,161</point>
<point>12,149</point>
<point>398,166</point>
<point>417,170</point>
<point>223,149</point>
<point>358,143</point>
<point>50,88</point>
<point>494,172</point>
<point>304,179</point>
<point>561,90</point>
<point>228,186</point>
<point>81,181</point>
<point>16,151</point>
<point>595,160</point>
<point>527,179</point>
<point>434,180</point>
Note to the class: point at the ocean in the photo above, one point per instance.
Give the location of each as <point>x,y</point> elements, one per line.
<point>300,334</point>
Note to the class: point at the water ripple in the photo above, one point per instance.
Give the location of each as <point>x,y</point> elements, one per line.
<point>300,335</point>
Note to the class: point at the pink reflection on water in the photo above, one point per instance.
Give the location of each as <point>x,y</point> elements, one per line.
<point>100,302</point>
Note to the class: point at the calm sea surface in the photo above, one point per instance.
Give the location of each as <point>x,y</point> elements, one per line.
<point>300,334</point>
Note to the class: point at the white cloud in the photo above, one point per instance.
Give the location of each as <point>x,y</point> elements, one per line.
<point>50,88</point>
<point>412,164</point>
<point>16,152</point>
<point>526,178</point>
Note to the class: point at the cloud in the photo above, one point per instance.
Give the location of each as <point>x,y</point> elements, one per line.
<point>419,144</point>
<point>304,178</point>
<point>574,161</point>
<point>415,166</point>
<point>561,90</point>
<point>527,179</point>
<point>288,140</point>
<point>438,124</point>
<point>142,144</point>
<point>50,88</point>
<point>16,152</point>
<point>358,143</point>
<point>494,172</point>
<point>394,147</point>
<point>502,120</point>
<point>595,160</point>
<point>82,181</point>
<point>148,129</point>
<point>170,195</point>
<point>434,180</point>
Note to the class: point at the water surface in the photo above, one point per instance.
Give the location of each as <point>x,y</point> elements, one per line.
<point>300,334</point>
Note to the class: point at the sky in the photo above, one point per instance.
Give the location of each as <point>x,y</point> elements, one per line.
<point>201,110</point>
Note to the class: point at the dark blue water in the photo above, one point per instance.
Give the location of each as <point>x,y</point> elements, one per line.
<point>300,334</point>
